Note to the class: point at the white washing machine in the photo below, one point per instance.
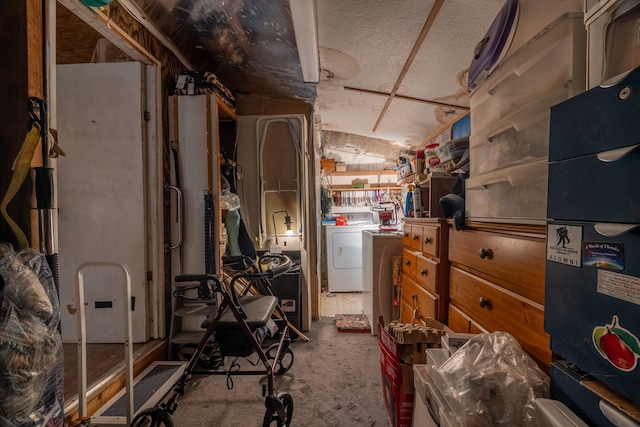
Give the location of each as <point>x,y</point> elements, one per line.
<point>378,249</point>
<point>344,256</point>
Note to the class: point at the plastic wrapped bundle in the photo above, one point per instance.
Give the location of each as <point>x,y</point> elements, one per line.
<point>491,381</point>
<point>31,355</point>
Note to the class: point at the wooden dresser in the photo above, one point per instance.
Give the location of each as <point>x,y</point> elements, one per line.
<point>497,283</point>
<point>425,270</point>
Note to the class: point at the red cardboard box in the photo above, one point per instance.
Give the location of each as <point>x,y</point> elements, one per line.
<point>397,379</point>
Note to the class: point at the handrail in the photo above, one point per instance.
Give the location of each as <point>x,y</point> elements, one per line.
<point>82,336</point>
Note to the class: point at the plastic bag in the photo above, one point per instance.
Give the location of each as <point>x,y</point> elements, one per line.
<point>230,201</point>
<point>491,381</point>
<point>31,354</point>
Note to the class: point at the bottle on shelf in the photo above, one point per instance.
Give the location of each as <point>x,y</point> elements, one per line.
<point>420,162</point>
<point>417,201</point>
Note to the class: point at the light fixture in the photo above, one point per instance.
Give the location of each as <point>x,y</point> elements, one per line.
<point>287,223</point>
<point>303,13</point>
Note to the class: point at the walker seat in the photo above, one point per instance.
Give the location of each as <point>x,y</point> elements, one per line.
<point>229,333</point>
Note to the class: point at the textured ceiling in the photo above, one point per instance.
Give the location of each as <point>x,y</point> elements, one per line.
<point>364,48</point>
<point>365,45</point>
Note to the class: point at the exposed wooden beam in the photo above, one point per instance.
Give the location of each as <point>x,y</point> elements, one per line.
<point>96,19</point>
<point>416,47</point>
<point>409,98</point>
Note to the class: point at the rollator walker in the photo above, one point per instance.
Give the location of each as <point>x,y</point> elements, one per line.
<point>247,313</point>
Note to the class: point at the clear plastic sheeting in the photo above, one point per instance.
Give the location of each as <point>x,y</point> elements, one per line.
<point>31,355</point>
<point>491,381</point>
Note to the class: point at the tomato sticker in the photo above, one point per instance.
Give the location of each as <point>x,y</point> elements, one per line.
<point>616,344</point>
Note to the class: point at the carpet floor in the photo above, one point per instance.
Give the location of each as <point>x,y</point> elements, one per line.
<point>334,381</point>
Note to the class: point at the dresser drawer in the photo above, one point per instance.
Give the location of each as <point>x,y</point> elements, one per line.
<point>460,322</point>
<point>515,262</point>
<point>497,309</point>
<point>412,237</point>
<point>417,302</point>
<point>430,240</point>
<point>426,274</point>
<point>409,262</point>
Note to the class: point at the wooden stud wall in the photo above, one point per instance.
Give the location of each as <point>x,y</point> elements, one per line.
<point>20,77</point>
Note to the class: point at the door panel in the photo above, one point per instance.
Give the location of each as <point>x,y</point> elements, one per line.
<point>101,195</point>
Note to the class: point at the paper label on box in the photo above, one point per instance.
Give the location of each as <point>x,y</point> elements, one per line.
<point>620,286</point>
<point>564,244</point>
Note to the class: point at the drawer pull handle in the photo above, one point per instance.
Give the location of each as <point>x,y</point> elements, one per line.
<point>428,240</point>
<point>423,272</point>
<point>406,234</point>
<point>415,237</point>
<point>485,253</point>
<point>484,303</point>
<point>407,263</point>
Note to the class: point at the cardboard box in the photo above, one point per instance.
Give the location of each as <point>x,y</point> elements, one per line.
<point>341,167</point>
<point>397,375</point>
<point>329,165</point>
<point>397,379</point>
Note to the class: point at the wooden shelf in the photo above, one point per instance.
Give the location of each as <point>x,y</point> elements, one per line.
<point>347,187</point>
<point>362,173</point>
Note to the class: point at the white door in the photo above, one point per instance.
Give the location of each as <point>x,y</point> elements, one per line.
<point>101,195</point>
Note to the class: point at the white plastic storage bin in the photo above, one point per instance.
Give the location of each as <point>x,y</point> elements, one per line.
<point>516,23</point>
<point>613,45</point>
<point>548,69</point>
<point>513,194</point>
<point>423,403</point>
<point>430,406</point>
<point>516,139</point>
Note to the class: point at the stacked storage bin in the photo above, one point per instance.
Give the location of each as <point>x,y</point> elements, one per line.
<point>592,289</point>
<point>510,123</point>
<point>612,38</point>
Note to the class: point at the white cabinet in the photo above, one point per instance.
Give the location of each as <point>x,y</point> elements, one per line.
<point>194,131</point>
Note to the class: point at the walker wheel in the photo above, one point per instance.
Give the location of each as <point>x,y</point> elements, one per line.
<point>285,362</point>
<point>285,402</point>
<point>152,417</point>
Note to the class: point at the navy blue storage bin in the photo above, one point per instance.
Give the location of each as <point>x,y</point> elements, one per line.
<point>582,301</point>
<point>598,120</point>
<point>567,386</point>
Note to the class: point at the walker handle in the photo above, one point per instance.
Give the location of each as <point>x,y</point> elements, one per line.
<point>280,269</point>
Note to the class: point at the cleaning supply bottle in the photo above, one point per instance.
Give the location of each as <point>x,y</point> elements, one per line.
<point>408,207</point>
<point>417,201</point>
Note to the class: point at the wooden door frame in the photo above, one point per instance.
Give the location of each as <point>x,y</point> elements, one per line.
<point>97,20</point>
